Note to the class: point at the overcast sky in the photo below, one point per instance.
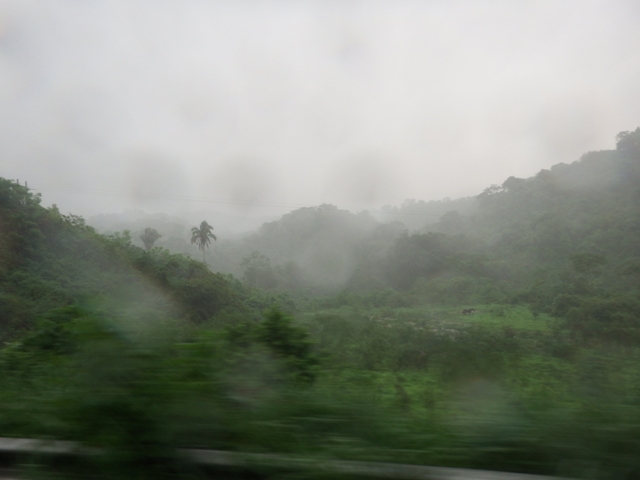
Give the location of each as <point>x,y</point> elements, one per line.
<point>108,104</point>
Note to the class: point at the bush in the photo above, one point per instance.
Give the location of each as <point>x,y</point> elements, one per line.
<point>599,319</point>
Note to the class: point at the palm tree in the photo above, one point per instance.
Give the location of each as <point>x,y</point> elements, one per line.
<point>149,237</point>
<point>202,237</point>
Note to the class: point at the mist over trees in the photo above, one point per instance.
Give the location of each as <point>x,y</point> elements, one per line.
<point>501,243</point>
<point>508,331</point>
<point>495,246</point>
<point>357,240</point>
<point>149,237</point>
<point>202,236</point>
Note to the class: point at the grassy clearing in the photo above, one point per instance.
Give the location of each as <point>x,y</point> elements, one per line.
<point>513,316</point>
<point>500,316</point>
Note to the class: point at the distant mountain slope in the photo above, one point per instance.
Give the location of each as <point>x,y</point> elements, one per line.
<point>574,229</point>
<point>320,246</point>
<point>508,235</point>
<point>592,205</point>
<point>418,214</point>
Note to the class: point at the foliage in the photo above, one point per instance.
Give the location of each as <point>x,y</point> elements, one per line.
<point>283,338</point>
<point>149,237</point>
<point>50,260</point>
<point>410,385</point>
<point>611,319</point>
<point>202,236</point>
<point>585,263</point>
<point>258,271</point>
<point>629,142</point>
<point>289,341</point>
<point>315,249</point>
<point>431,255</point>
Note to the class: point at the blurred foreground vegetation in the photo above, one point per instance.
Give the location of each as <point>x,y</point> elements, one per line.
<point>140,351</point>
<point>402,385</point>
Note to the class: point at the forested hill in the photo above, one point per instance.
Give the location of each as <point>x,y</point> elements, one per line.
<point>526,240</point>
<point>49,260</point>
<point>567,204</point>
<point>591,207</point>
<point>571,231</point>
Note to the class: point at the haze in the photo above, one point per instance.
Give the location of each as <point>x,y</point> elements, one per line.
<point>257,108</point>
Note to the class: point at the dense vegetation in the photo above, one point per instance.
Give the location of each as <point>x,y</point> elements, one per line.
<point>50,260</point>
<point>369,355</point>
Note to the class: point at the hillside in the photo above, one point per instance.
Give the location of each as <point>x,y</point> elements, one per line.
<point>570,230</point>
<point>50,260</point>
<point>522,241</point>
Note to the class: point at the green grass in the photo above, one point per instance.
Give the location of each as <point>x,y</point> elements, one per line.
<point>512,316</point>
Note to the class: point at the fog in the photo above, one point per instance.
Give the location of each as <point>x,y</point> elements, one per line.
<point>248,110</point>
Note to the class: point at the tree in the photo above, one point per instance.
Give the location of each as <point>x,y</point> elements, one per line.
<point>288,341</point>
<point>149,237</point>
<point>202,237</point>
<point>587,265</point>
<point>258,271</point>
<point>628,142</point>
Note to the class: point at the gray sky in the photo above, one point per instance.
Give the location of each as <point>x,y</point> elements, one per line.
<point>108,104</point>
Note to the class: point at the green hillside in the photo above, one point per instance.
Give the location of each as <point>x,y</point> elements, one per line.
<point>567,229</point>
<point>49,260</point>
